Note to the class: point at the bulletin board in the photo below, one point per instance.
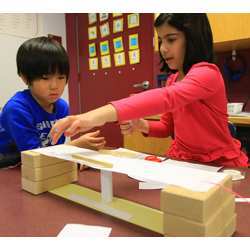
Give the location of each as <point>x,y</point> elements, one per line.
<point>115,52</point>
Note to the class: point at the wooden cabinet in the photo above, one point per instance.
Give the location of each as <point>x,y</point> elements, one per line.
<point>230,30</point>
<point>150,145</point>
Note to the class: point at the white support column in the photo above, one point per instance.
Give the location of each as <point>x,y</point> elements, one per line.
<point>106,186</point>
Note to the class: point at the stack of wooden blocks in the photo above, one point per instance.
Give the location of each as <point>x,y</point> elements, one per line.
<point>190,213</point>
<point>41,173</point>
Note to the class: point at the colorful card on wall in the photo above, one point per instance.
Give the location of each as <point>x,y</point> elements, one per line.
<point>119,59</point>
<point>104,29</point>
<point>134,56</point>
<point>92,32</point>
<point>93,63</point>
<point>118,25</point>
<point>104,48</point>
<point>106,61</point>
<point>117,14</point>
<point>92,50</point>
<point>133,41</point>
<point>103,16</point>
<point>118,44</point>
<point>133,20</point>
<point>92,18</point>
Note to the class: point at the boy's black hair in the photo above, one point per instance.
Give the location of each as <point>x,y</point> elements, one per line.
<point>41,56</point>
<point>198,34</point>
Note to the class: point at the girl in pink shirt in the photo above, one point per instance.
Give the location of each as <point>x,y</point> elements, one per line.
<point>193,103</point>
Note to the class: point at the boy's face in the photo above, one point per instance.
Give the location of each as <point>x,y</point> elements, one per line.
<point>172,46</point>
<point>48,89</point>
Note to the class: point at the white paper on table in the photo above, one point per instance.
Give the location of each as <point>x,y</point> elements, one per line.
<point>247,200</point>
<point>79,230</point>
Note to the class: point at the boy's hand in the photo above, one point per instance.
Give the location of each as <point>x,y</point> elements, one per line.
<point>90,141</point>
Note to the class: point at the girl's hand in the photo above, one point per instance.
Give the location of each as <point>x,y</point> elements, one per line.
<point>90,140</point>
<point>131,126</point>
<point>74,124</point>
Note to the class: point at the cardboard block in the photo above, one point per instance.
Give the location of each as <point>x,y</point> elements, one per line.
<point>37,187</point>
<point>39,174</point>
<point>179,226</point>
<point>33,159</point>
<point>197,206</point>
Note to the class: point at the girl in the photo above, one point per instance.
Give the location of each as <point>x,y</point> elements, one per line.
<point>193,103</point>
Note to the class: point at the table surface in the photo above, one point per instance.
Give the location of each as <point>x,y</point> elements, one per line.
<point>24,214</point>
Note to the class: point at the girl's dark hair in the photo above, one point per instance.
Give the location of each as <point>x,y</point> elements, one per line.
<point>41,56</point>
<point>198,34</point>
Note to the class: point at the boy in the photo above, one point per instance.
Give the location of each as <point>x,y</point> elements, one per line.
<point>26,119</point>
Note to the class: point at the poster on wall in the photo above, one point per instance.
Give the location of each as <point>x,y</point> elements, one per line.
<point>133,41</point>
<point>118,44</point>
<point>134,56</point>
<point>119,59</point>
<point>92,33</point>
<point>118,25</point>
<point>104,48</point>
<point>92,18</point>
<point>133,20</point>
<point>106,61</point>
<point>93,63</point>
<point>92,50</point>
<point>104,29</point>
<point>103,17</point>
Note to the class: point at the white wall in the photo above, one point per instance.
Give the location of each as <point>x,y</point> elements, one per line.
<point>10,83</point>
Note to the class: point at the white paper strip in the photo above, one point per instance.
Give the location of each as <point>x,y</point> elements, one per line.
<point>78,230</point>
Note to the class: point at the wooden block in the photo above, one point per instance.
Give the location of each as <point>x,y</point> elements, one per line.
<point>39,174</point>
<point>179,226</point>
<point>33,159</point>
<point>230,228</point>
<point>197,206</point>
<point>37,187</point>
<point>94,161</point>
<point>127,154</point>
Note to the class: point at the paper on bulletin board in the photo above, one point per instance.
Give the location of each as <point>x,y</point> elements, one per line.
<point>106,61</point>
<point>119,59</point>
<point>92,18</point>
<point>92,50</point>
<point>134,56</point>
<point>133,20</point>
<point>118,25</point>
<point>118,44</point>
<point>104,47</point>
<point>133,41</point>
<point>103,16</point>
<point>92,33</point>
<point>93,63</point>
<point>104,29</point>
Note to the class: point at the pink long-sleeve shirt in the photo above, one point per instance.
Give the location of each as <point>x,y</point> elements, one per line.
<point>195,111</point>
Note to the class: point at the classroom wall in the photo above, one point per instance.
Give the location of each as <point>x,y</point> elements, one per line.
<point>10,83</point>
<point>239,90</point>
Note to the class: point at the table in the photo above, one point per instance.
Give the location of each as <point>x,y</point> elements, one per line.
<point>24,214</point>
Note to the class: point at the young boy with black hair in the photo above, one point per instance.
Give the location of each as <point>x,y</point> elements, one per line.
<point>26,119</point>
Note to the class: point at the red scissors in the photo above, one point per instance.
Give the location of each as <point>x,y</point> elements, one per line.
<point>152,158</point>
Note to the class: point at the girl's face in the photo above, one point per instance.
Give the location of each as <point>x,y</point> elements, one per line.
<point>172,46</point>
<point>48,90</point>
